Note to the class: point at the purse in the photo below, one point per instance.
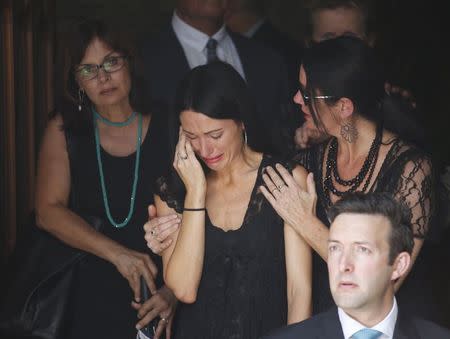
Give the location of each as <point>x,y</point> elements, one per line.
<point>42,277</point>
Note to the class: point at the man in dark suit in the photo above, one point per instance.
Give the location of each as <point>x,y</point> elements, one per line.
<point>369,248</point>
<point>195,34</point>
<point>249,18</point>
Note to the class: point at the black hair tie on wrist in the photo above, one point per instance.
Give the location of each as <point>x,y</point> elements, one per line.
<point>194,209</point>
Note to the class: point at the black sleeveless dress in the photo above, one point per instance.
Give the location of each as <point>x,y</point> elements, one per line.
<point>407,174</point>
<point>102,304</point>
<point>242,292</point>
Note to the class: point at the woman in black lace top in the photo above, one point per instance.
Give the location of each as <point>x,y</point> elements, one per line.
<point>237,269</point>
<point>342,91</point>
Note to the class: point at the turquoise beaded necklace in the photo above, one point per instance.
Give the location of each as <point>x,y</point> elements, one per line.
<point>136,165</point>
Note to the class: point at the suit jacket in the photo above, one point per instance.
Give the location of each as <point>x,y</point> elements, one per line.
<point>291,50</point>
<point>165,65</point>
<point>327,326</point>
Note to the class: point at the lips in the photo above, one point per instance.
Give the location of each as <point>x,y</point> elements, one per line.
<point>107,91</point>
<point>347,284</point>
<point>212,160</point>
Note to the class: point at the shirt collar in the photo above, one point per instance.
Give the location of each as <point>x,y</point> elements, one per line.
<point>350,326</point>
<point>192,36</point>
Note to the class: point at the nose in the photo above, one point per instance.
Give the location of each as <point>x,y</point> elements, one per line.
<point>203,148</point>
<point>346,262</point>
<point>103,76</point>
<point>298,97</point>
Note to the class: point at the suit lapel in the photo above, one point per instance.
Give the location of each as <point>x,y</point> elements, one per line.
<point>405,328</point>
<point>331,326</point>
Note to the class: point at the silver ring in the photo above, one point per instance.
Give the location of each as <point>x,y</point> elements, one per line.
<point>280,186</point>
<point>164,320</point>
<point>275,189</point>
<point>153,231</point>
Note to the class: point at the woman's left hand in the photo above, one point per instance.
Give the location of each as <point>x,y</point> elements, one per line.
<point>162,304</point>
<point>292,203</point>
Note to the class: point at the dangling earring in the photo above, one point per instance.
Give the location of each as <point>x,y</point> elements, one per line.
<point>80,98</point>
<point>349,132</point>
<point>245,137</point>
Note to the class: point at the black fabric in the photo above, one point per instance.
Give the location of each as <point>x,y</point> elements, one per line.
<point>407,174</point>
<point>326,325</point>
<point>42,278</point>
<point>102,301</point>
<point>242,292</point>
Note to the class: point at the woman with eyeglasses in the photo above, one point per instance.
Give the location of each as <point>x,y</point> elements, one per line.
<point>100,156</point>
<point>371,149</point>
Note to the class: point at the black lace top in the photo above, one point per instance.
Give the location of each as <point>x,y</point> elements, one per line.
<point>242,292</point>
<point>406,173</point>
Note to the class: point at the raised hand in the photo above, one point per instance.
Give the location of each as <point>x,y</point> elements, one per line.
<point>187,165</point>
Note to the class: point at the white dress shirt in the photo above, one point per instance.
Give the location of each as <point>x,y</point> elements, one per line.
<point>350,326</point>
<point>194,42</point>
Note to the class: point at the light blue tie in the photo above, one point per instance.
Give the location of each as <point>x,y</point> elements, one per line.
<point>367,333</point>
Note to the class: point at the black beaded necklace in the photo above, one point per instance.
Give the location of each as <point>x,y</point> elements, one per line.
<point>367,169</point>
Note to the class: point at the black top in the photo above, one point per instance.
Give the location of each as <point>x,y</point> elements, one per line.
<point>102,303</point>
<point>407,174</point>
<point>242,292</point>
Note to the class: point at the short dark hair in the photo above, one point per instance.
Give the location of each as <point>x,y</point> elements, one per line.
<point>363,6</point>
<point>76,40</point>
<point>384,204</point>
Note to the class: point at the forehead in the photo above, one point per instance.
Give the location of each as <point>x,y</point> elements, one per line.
<point>95,52</point>
<point>195,121</point>
<point>357,227</point>
<point>329,23</point>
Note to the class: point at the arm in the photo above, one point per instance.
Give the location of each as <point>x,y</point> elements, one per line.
<point>298,267</point>
<point>416,191</point>
<point>54,216</point>
<point>297,206</point>
<point>183,259</point>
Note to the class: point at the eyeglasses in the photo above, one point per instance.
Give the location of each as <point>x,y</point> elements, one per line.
<point>307,98</point>
<point>110,64</point>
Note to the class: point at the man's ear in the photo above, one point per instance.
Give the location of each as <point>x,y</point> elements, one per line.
<point>401,265</point>
<point>345,108</point>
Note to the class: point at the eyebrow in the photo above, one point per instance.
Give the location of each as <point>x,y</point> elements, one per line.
<point>209,132</point>
<point>103,60</point>
<point>355,242</point>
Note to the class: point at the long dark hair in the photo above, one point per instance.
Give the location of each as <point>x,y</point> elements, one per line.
<point>76,41</point>
<point>218,91</point>
<point>348,67</point>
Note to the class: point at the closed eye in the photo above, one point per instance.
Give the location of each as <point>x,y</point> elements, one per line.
<point>216,136</point>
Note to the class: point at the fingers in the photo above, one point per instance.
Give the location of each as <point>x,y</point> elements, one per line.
<point>160,329</point>
<point>287,177</point>
<point>275,179</point>
<point>160,224</point>
<point>135,285</point>
<point>268,196</point>
<point>146,317</point>
<point>149,277</point>
<point>310,185</point>
<point>151,212</point>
